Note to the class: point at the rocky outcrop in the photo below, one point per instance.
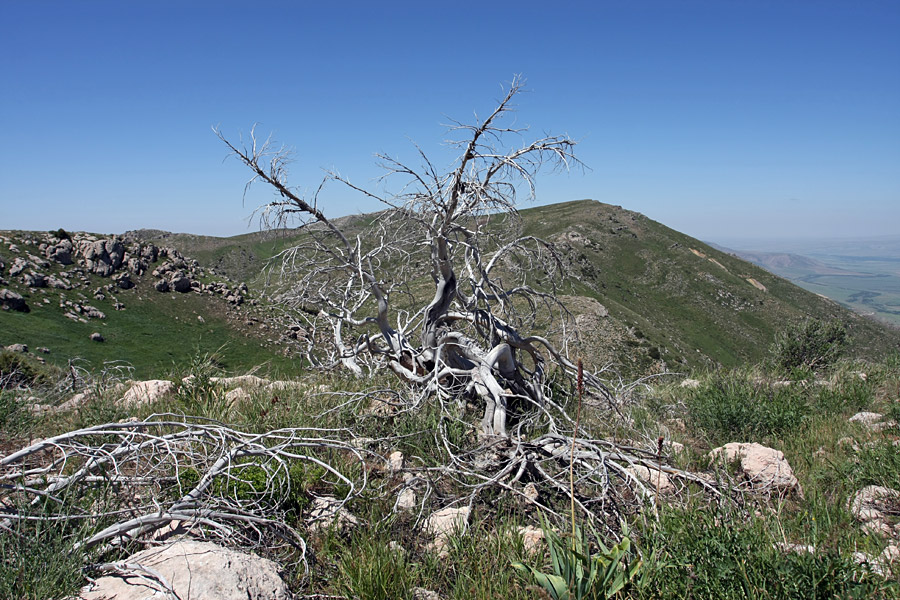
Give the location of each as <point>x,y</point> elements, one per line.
<point>190,569</point>
<point>872,421</point>
<point>60,252</point>
<point>764,469</point>
<point>532,537</point>
<point>123,280</point>
<point>102,257</point>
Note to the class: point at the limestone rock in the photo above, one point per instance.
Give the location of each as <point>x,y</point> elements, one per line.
<point>652,477</point>
<point>9,300</point>
<point>691,384</point>
<point>34,280</point>
<point>195,570</point>
<point>75,401</point>
<point>123,280</point>
<point>327,512</point>
<point>146,392</point>
<point>58,283</point>
<point>395,462</point>
<point>531,492</point>
<point>406,501</point>
<point>240,380</point>
<point>18,265</point>
<point>102,257</point>
<point>162,286</point>
<point>61,252</point>
<point>871,507</point>
<point>238,394</point>
<point>20,348</point>
<point>765,468</point>
<point>445,523</point>
<point>532,537</point>
<point>97,337</point>
<point>136,266</point>
<point>180,283</point>
<point>866,418</point>
<point>423,594</point>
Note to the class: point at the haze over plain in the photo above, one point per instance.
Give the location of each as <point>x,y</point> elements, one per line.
<point>722,120</point>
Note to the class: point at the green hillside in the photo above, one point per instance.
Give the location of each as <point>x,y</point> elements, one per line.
<point>644,297</point>
<point>153,332</point>
<point>691,301</point>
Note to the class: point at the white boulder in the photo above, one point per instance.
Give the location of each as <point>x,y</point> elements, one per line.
<point>765,469</point>
<point>191,569</point>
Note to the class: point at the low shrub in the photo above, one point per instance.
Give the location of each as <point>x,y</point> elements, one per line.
<point>728,408</point>
<point>813,345</point>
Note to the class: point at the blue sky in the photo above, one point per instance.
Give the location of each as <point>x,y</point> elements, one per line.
<point>724,119</point>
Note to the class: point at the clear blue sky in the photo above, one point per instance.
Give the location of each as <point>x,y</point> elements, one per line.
<point>723,119</point>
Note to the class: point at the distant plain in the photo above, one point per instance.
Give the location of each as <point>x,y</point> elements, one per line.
<point>862,274</point>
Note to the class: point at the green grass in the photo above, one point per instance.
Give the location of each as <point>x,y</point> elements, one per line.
<point>727,554</point>
<point>154,333</point>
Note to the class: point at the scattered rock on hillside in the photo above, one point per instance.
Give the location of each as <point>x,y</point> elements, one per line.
<point>18,265</point>
<point>146,392</point>
<point>123,280</point>
<point>60,252</point>
<point>34,280</point>
<point>240,380</point>
<point>532,537</point>
<point>162,285</point>
<point>766,469</point>
<point>445,523</point>
<point>180,283</point>
<point>406,500</point>
<point>21,348</point>
<point>238,394</point>
<point>96,337</point>
<point>423,594</point>
<point>191,569</point>
<point>872,505</point>
<point>691,384</point>
<point>326,512</point>
<point>866,418</point>
<point>9,300</point>
<point>652,478</point>
<point>395,462</point>
<point>58,283</point>
<point>872,421</point>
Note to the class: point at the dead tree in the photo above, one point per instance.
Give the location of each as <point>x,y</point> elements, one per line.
<point>453,238</point>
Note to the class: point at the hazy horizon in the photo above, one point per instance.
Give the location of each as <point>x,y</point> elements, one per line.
<point>721,120</point>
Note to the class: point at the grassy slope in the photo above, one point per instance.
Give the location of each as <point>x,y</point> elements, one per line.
<point>661,295</point>
<point>647,276</point>
<point>154,333</point>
